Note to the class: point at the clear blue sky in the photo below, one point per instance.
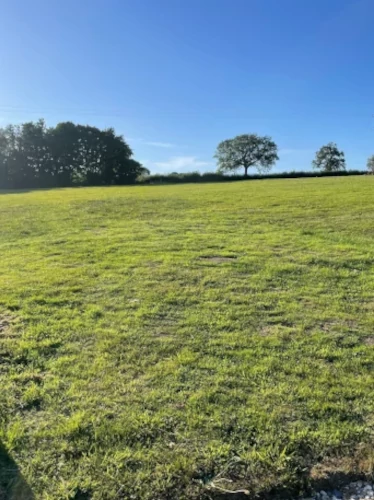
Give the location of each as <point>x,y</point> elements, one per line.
<point>176,77</point>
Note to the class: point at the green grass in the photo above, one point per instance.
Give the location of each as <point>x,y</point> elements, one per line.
<point>154,338</point>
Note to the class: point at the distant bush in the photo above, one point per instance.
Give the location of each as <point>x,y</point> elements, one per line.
<point>197,177</point>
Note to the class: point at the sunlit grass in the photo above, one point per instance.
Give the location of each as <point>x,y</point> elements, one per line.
<point>152,338</point>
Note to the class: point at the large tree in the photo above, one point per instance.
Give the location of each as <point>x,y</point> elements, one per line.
<point>370,164</point>
<point>329,159</point>
<point>245,151</point>
<point>32,155</point>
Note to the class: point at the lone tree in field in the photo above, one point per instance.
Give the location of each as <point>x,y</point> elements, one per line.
<point>245,151</point>
<point>370,165</point>
<point>329,159</point>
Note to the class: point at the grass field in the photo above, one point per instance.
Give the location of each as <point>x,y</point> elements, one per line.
<point>172,342</point>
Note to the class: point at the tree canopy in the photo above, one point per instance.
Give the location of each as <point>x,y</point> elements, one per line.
<point>245,151</point>
<point>33,155</point>
<point>370,164</point>
<point>329,158</point>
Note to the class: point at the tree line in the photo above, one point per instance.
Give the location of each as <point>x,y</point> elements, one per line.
<point>33,155</point>
<point>251,150</point>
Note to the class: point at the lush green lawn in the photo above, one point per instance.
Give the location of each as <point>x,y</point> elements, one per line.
<point>153,338</point>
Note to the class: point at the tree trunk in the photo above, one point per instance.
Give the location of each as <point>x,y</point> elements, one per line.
<point>245,171</point>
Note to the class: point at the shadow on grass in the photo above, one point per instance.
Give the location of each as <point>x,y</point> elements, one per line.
<point>332,480</point>
<point>12,484</point>
<point>304,488</point>
<point>14,191</point>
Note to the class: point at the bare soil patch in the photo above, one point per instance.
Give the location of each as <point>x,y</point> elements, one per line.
<point>5,326</point>
<point>368,340</point>
<point>218,258</point>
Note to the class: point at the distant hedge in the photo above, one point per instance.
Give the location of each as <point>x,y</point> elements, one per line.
<point>176,178</point>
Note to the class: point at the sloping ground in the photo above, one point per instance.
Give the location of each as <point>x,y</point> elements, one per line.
<point>172,342</point>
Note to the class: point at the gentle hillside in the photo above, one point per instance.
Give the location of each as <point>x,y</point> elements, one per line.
<point>154,338</point>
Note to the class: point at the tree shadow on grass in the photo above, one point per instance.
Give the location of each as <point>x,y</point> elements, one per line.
<point>12,484</point>
<point>14,191</point>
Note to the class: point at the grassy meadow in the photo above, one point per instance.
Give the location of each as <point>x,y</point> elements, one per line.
<point>180,342</point>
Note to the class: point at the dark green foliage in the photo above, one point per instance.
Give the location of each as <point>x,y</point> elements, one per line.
<point>176,178</point>
<point>245,151</point>
<point>34,156</point>
<point>329,159</point>
<point>370,164</point>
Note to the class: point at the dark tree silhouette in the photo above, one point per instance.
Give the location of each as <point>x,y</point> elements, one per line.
<point>32,155</point>
<point>370,164</point>
<point>245,151</point>
<point>329,158</point>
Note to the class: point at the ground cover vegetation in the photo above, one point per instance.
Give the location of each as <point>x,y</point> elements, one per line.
<point>174,342</point>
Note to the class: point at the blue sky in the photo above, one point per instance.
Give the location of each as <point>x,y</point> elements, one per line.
<point>176,77</point>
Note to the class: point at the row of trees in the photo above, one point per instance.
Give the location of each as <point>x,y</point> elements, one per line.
<point>252,150</point>
<point>34,155</point>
